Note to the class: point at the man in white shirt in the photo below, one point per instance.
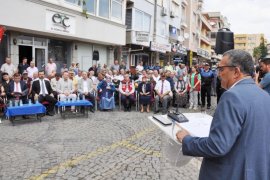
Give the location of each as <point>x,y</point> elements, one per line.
<point>32,69</point>
<point>156,76</point>
<point>8,67</point>
<point>50,67</point>
<point>163,90</point>
<point>140,66</point>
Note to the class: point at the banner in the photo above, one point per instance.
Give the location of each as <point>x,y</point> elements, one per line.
<point>2,31</point>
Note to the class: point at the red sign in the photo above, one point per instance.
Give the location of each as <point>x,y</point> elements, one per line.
<point>2,31</point>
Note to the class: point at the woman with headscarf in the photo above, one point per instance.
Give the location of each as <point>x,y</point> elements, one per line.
<point>106,90</point>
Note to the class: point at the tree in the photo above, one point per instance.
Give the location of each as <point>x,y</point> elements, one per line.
<point>260,51</point>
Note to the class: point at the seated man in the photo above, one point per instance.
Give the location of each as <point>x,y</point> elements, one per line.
<point>126,89</point>
<point>54,83</point>
<point>17,89</point>
<point>163,90</point>
<point>42,90</point>
<point>66,89</point>
<point>85,88</point>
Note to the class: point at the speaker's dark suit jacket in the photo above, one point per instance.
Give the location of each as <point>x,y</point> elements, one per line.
<point>238,146</point>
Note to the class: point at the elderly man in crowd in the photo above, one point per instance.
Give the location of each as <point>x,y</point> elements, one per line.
<point>8,67</point>
<point>164,93</point>
<point>86,88</point>
<point>66,89</point>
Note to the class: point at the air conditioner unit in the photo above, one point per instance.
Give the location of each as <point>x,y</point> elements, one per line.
<point>172,14</point>
<point>164,11</point>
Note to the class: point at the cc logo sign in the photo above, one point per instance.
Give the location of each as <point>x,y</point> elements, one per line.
<point>61,20</point>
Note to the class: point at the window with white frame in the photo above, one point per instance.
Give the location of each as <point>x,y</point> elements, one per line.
<point>91,6</point>
<point>117,9</point>
<point>75,2</point>
<point>104,8</point>
<point>142,21</point>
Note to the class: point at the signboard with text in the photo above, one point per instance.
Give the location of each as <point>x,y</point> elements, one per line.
<point>60,23</point>
<point>163,48</point>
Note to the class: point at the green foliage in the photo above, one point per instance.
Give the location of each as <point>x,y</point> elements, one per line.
<point>260,51</point>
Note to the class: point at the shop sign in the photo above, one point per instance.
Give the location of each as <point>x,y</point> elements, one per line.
<point>60,23</point>
<point>203,53</point>
<point>142,37</point>
<point>160,47</point>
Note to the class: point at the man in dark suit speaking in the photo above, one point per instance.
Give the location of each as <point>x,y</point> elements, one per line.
<point>42,90</point>
<point>238,146</point>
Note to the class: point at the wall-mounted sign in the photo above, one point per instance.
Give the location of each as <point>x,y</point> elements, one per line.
<point>141,38</point>
<point>59,22</point>
<point>160,47</point>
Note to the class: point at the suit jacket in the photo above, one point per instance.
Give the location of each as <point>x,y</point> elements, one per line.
<point>61,86</point>
<point>11,88</point>
<point>89,85</point>
<point>238,146</point>
<point>36,87</point>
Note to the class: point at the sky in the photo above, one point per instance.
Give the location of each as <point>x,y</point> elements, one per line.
<point>245,16</point>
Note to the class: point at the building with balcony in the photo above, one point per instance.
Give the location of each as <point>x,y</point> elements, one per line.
<point>247,42</point>
<point>204,52</point>
<point>66,30</point>
<point>153,29</point>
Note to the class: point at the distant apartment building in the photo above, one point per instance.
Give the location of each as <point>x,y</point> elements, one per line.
<point>153,30</point>
<point>204,51</point>
<point>66,30</point>
<point>247,42</point>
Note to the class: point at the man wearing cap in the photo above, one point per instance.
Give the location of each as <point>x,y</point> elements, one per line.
<point>207,78</point>
<point>26,79</point>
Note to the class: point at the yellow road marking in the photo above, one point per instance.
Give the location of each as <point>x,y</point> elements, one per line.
<point>99,151</point>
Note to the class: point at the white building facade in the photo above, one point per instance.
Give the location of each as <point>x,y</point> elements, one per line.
<point>65,30</point>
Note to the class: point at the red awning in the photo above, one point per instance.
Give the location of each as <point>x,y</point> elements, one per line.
<point>2,31</point>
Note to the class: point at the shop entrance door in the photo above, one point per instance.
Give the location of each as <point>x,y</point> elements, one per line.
<point>25,51</point>
<point>40,58</point>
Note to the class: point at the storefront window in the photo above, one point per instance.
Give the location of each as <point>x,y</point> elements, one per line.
<point>60,52</point>
<point>104,6</point>
<point>117,9</point>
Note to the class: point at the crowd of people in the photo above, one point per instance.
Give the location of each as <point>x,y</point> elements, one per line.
<point>161,87</point>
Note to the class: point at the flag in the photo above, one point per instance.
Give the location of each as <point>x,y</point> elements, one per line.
<point>2,31</point>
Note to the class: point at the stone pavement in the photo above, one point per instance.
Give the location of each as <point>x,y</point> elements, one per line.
<point>107,145</point>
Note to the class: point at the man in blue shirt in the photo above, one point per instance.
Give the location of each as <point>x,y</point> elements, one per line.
<point>207,78</point>
<point>265,82</point>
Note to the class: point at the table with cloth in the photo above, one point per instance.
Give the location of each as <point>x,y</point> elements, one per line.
<point>25,109</point>
<point>81,107</point>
